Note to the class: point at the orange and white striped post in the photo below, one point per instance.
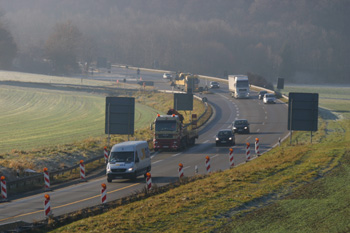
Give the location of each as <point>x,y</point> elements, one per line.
<point>257,152</point>
<point>148,181</point>
<point>181,170</point>
<point>82,170</point>
<point>3,188</point>
<point>247,152</point>
<point>207,163</point>
<point>105,154</point>
<point>232,163</point>
<point>47,206</point>
<point>47,179</point>
<point>103,193</point>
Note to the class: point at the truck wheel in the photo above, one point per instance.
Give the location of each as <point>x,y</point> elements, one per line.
<point>192,141</point>
<point>109,180</point>
<point>134,176</point>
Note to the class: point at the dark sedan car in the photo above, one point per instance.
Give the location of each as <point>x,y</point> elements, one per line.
<point>214,85</point>
<point>225,137</point>
<point>240,126</point>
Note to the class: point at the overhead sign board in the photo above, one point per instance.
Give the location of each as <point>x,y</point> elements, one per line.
<point>303,111</point>
<point>120,115</point>
<point>280,83</point>
<point>183,101</point>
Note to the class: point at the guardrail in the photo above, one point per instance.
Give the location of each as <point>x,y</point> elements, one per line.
<point>38,178</point>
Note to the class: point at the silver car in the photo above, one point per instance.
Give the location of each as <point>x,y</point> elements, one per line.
<point>269,99</point>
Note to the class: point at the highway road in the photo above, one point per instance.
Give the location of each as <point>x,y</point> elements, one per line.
<point>267,122</point>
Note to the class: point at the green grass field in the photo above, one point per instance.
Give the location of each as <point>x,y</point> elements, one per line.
<point>33,118</point>
<point>335,98</point>
<point>293,188</point>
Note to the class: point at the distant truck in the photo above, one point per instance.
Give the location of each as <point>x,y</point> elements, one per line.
<point>171,134</point>
<point>188,82</point>
<point>238,85</point>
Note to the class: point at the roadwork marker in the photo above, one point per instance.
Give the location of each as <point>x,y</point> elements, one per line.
<point>3,188</point>
<point>47,180</point>
<point>47,206</point>
<point>181,170</point>
<point>207,163</point>
<point>148,181</point>
<point>105,154</point>
<point>103,193</point>
<point>257,147</point>
<point>82,171</point>
<point>231,158</point>
<point>247,152</point>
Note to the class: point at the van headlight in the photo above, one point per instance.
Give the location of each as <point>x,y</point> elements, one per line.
<point>246,127</point>
<point>130,169</point>
<point>108,168</point>
<point>217,139</point>
<point>230,139</point>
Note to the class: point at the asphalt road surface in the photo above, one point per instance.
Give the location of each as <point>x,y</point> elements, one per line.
<point>267,122</point>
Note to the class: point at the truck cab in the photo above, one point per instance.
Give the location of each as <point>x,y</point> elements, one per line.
<point>239,86</point>
<point>171,134</point>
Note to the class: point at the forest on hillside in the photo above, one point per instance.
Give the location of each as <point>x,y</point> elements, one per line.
<point>304,41</point>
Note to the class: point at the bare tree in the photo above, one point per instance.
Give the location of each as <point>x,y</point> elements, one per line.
<point>63,47</point>
<point>8,48</point>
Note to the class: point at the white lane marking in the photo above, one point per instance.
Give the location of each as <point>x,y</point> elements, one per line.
<point>187,167</point>
<point>258,130</point>
<point>223,96</point>
<point>205,142</point>
<point>176,154</point>
<point>157,161</point>
<point>249,137</point>
<point>214,156</point>
<point>265,117</point>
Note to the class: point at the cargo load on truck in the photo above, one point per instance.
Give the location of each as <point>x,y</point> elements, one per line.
<point>171,134</point>
<point>238,85</point>
<point>187,82</point>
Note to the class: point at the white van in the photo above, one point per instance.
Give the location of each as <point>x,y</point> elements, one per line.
<point>128,160</point>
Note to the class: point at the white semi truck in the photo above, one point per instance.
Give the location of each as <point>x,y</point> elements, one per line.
<point>238,85</point>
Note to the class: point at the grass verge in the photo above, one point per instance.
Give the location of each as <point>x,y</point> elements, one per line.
<point>206,205</point>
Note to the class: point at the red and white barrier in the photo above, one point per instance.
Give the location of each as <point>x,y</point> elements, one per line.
<point>181,170</point>
<point>47,206</point>
<point>47,180</point>
<point>207,163</point>
<point>247,152</point>
<point>105,153</point>
<point>148,181</point>
<point>232,163</point>
<point>103,193</point>
<point>82,170</point>
<point>3,188</point>
<point>257,152</point>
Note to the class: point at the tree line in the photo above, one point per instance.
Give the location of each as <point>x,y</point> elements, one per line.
<point>297,40</point>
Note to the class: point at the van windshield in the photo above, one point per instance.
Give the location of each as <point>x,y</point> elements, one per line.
<point>121,156</point>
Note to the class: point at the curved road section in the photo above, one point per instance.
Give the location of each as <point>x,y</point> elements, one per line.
<point>267,122</point>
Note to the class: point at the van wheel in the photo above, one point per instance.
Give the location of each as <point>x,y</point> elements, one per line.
<point>109,180</point>
<point>134,176</point>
